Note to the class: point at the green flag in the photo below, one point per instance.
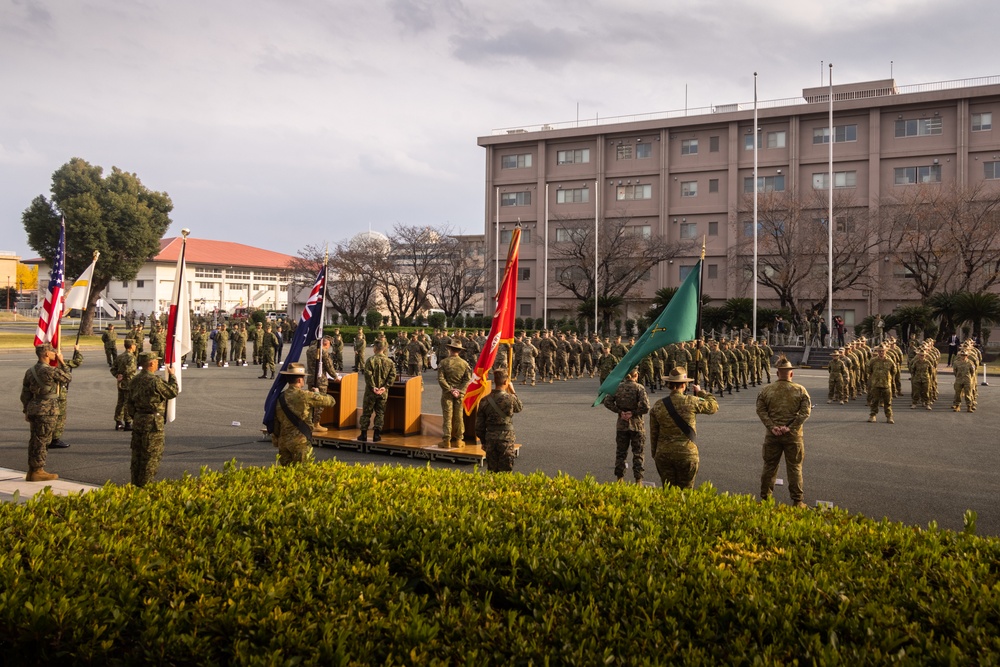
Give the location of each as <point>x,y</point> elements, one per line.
<point>677,322</point>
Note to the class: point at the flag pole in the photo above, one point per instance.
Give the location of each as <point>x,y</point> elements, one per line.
<point>322,313</point>
<point>699,330</point>
<point>756,139</point>
<point>97,254</point>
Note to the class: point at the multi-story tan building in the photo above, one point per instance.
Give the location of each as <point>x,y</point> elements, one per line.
<point>689,175</point>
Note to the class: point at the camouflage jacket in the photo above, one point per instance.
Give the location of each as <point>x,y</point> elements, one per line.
<point>881,372</point>
<point>300,403</point>
<point>147,396</point>
<point>312,364</point>
<point>124,365</point>
<point>964,370</point>
<point>629,397</point>
<point>664,434</point>
<point>379,372</point>
<point>784,403</point>
<point>454,373</point>
<point>40,389</point>
<point>496,422</point>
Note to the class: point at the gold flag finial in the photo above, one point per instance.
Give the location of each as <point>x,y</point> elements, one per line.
<point>703,247</point>
<point>97,253</point>
<point>185,232</point>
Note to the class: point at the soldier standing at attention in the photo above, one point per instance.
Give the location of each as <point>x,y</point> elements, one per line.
<point>68,366</point>
<point>295,406</point>
<point>110,340</point>
<point>454,375</point>
<point>965,373</point>
<point>156,338</point>
<point>337,345</point>
<point>838,381</point>
<point>630,402</point>
<point>379,373</point>
<point>268,347</point>
<point>881,370</point>
<point>783,408</point>
<point>239,353</point>
<point>40,403</point>
<point>319,367</point>
<point>253,335</point>
<point>124,369</point>
<point>672,430</point>
<point>359,349</point>
<point>920,381</point>
<point>221,346</point>
<point>147,397</point>
<point>415,352</point>
<point>494,425</point>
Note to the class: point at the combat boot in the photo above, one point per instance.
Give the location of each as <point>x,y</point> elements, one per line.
<point>319,428</point>
<point>871,419</point>
<point>128,426</point>
<point>262,377</point>
<point>272,375</point>
<point>364,436</point>
<point>377,435</point>
<point>41,476</point>
<point>119,426</point>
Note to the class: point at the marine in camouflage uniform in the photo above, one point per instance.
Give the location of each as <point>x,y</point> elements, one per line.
<point>546,356</point>
<point>526,362</point>
<point>147,398</point>
<point>319,368</point>
<point>359,349</point>
<point>110,340</point>
<point>783,408</point>
<point>415,352</point>
<point>494,423</point>
<point>454,376</point>
<point>379,373</point>
<point>123,370</point>
<point>293,445</point>
<point>239,352</point>
<point>221,345</point>
<point>965,378</point>
<point>253,336</point>
<point>268,348</point>
<point>57,433</point>
<point>920,379</point>
<point>716,359</point>
<point>839,378</point>
<point>881,371</point>
<point>630,402</point>
<point>561,358</point>
<point>575,353</point>
<point>676,454</point>
<point>40,404</point>
<point>201,358</point>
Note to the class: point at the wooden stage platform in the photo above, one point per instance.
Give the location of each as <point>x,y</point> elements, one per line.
<point>394,444</point>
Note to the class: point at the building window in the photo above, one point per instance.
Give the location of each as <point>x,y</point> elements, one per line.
<point>238,274</point>
<point>689,189</point>
<point>125,284</point>
<point>913,175</point>
<point>713,228</point>
<point>524,309</point>
<point>689,147</point>
<point>748,142</point>
<point>689,230</point>
<point>643,231</point>
<point>506,234</point>
<point>713,185</point>
<point>264,275</point>
<point>713,144</point>
<point>139,284</point>
<point>523,273</point>
<point>239,287</point>
<point>630,192</point>
<point>685,272</point>
<point>573,196</point>
<point>577,156</point>
<point>919,127</point>
<point>992,170</point>
<point>201,272</point>
<point>515,161</point>
<point>713,271</point>
<point>748,228</point>
<point>765,183</point>
<point>982,122</point>
<point>841,134</point>
<point>210,286</point>
<point>643,151</point>
<point>624,151</point>
<point>841,179</point>
<point>776,139</point>
<point>515,199</point>
<point>575,234</point>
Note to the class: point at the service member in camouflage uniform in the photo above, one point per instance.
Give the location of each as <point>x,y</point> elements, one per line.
<point>630,402</point>
<point>838,380</point>
<point>716,359</point>
<point>783,408</point>
<point>881,371</point>
<point>920,380</point>
<point>494,423</point>
<point>965,378</point>
<point>415,352</point>
<point>75,361</point>
<point>268,348</point>
<point>359,349</point>
<point>454,375</point>
<point>526,361</point>
<point>40,404</point>
<point>546,356</point>
<point>253,336</point>
<point>123,370</point>
<point>319,368</point>
<point>110,340</point>
<point>337,345</point>
<point>674,450</point>
<point>239,353</point>
<point>156,339</point>
<point>221,345</point>
<point>147,398</point>
<point>379,373</point>
<point>293,443</point>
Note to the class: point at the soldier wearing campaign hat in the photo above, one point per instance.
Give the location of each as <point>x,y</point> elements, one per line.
<point>292,431</point>
<point>783,408</point>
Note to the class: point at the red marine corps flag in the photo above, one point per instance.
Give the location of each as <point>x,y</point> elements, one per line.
<point>502,329</point>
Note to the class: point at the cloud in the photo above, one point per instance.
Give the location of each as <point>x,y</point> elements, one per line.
<point>23,154</point>
<point>272,60</point>
<point>520,41</point>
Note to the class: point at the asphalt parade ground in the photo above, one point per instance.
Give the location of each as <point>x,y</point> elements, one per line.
<point>930,466</point>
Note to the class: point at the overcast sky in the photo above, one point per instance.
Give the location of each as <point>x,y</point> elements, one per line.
<point>285,123</point>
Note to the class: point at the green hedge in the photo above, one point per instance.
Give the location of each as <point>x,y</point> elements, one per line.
<point>338,564</point>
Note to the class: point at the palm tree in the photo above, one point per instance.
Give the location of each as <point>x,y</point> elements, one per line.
<point>660,301</point>
<point>942,305</point>
<point>907,319</point>
<point>979,309</point>
<point>608,307</point>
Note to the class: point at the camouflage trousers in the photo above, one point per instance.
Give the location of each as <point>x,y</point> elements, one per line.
<point>573,365</point>
<point>121,410</point>
<point>587,364</point>
<point>677,468</point>
<point>963,391</point>
<point>111,353</point>
<point>221,350</point>
<point>545,366</point>
<point>60,426</point>
<point>920,391</point>
<point>836,389</point>
<point>256,354</point>
<point>299,451</point>
<point>147,448</point>
<point>526,369</point>
<point>267,361</point>
<point>561,365</point>
<point>42,427</point>
<point>636,441</point>
<point>373,403</point>
<point>452,422</point>
<point>359,359</point>
<point>794,451</point>
<point>715,379</point>
<point>880,396</point>
<point>500,452</point>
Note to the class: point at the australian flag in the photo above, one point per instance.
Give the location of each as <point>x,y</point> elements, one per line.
<point>309,328</point>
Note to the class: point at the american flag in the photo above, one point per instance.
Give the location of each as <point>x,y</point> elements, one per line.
<point>52,307</point>
<point>309,328</point>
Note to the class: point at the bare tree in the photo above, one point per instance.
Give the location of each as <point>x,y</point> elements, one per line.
<point>919,238</point>
<point>403,279</point>
<point>351,279</point>
<point>462,277</point>
<point>972,215</point>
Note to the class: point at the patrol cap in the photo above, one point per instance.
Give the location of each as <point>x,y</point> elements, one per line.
<point>295,370</point>
<point>146,357</point>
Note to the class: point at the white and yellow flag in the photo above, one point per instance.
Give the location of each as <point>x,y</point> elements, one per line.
<point>79,293</point>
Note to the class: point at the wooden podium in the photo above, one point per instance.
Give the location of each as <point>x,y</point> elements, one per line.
<point>345,413</point>
<point>402,409</point>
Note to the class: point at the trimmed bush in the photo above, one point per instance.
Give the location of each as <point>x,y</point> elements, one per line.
<point>337,564</point>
